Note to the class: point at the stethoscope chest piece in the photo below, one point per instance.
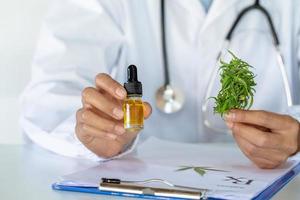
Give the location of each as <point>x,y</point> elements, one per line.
<point>169,100</point>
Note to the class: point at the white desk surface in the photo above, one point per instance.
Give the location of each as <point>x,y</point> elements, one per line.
<point>27,172</point>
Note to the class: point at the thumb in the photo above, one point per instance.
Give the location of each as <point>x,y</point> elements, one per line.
<point>147,110</point>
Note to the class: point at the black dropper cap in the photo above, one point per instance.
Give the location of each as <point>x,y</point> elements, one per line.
<point>133,86</point>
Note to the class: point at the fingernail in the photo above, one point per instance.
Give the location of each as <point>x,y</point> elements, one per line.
<point>120,130</point>
<point>230,116</point>
<point>118,113</point>
<point>121,93</point>
<point>229,124</point>
<point>111,136</point>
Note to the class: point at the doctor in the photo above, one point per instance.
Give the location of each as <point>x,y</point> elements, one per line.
<point>72,106</point>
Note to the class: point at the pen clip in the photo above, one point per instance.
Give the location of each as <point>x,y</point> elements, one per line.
<point>111,180</point>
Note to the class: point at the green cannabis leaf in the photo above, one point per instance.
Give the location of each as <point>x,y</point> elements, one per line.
<point>237,86</point>
<point>184,168</point>
<point>199,170</point>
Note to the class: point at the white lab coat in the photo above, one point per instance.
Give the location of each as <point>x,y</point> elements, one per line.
<point>81,38</point>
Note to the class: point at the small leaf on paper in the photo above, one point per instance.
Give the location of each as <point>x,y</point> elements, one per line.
<point>184,168</point>
<point>199,170</point>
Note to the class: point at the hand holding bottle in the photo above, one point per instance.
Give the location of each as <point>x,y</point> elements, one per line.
<point>99,123</point>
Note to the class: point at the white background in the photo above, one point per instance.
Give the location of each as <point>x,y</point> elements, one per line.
<point>20,22</point>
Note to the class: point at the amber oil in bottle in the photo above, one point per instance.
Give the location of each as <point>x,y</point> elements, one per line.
<point>133,105</point>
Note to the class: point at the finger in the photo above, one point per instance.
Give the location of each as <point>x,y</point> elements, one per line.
<point>85,104</point>
<point>261,118</point>
<point>109,85</point>
<point>252,151</point>
<point>260,162</point>
<point>127,138</point>
<point>257,137</point>
<point>111,108</point>
<point>148,110</point>
<point>105,116</point>
<point>84,130</point>
<point>264,164</point>
<point>105,148</point>
<point>256,126</point>
<point>101,113</point>
<point>264,129</point>
<point>88,117</point>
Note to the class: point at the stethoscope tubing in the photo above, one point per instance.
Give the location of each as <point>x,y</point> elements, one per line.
<point>246,10</point>
<point>164,45</point>
<point>226,44</point>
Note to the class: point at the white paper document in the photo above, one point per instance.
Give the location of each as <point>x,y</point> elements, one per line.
<point>220,168</point>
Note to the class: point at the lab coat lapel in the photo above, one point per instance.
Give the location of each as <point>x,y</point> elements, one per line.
<point>217,23</point>
<point>192,7</point>
<point>219,18</point>
<point>186,18</point>
<point>218,9</point>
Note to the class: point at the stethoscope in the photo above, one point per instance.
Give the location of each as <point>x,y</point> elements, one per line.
<point>170,99</point>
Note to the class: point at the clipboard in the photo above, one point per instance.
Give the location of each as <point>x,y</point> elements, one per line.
<point>167,158</point>
<point>137,190</point>
<point>115,190</point>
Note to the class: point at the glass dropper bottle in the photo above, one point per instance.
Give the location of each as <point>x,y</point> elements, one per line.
<point>133,105</point>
